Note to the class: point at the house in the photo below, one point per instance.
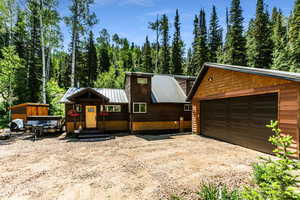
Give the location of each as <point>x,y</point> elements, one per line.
<point>149,102</point>
<point>233,104</point>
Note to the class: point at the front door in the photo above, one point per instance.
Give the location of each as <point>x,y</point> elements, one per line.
<point>91,116</point>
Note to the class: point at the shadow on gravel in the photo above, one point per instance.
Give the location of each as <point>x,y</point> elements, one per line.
<point>160,136</point>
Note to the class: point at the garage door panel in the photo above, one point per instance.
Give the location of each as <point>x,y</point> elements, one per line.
<point>240,120</point>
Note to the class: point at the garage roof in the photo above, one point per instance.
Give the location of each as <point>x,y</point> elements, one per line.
<point>291,76</point>
<point>114,95</point>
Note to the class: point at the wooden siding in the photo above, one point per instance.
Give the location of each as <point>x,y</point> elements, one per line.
<point>162,112</point>
<point>161,125</point>
<point>158,125</point>
<point>114,125</point>
<point>140,92</point>
<point>219,83</point>
<point>22,111</point>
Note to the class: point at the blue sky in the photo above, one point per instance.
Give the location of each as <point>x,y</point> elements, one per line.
<point>129,18</point>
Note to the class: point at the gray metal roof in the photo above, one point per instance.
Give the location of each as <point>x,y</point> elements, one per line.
<point>291,76</point>
<point>165,89</point>
<point>154,74</point>
<point>114,95</point>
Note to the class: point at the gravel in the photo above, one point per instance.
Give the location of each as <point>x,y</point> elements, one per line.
<point>127,167</point>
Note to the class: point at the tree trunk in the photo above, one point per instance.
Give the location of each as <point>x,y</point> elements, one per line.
<point>43,56</point>
<point>73,58</point>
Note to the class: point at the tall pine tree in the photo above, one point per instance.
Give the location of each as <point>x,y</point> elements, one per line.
<point>20,42</point>
<point>147,59</point>
<point>259,49</point>
<point>215,36</point>
<point>165,54</point>
<point>177,50</point>
<point>202,52</point>
<point>280,56</point>
<point>35,52</point>
<point>235,47</point>
<point>195,58</point>
<point>92,61</point>
<point>294,38</point>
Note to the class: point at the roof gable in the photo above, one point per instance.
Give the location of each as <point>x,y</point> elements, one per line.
<point>289,76</point>
<point>87,94</point>
<point>113,95</point>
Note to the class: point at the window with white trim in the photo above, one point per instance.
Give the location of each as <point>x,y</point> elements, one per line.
<point>188,107</point>
<point>139,107</point>
<point>113,108</point>
<point>142,81</point>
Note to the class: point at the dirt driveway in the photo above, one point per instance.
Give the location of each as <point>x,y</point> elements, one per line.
<point>125,168</point>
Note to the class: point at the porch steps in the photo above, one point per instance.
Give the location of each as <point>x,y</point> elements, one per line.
<point>92,134</point>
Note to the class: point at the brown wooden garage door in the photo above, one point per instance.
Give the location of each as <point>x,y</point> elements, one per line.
<point>240,120</point>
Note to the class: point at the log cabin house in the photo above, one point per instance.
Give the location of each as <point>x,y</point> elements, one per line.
<point>149,102</point>
<point>233,104</point>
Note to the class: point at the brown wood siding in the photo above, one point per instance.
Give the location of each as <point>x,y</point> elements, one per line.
<point>162,112</point>
<point>19,110</point>
<point>140,92</point>
<point>226,81</point>
<point>22,111</point>
<point>219,83</point>
<point>240,120</point>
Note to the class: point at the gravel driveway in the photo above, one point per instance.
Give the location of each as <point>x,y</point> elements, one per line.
<point>127,167</point>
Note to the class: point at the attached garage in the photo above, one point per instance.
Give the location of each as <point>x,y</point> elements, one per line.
<point>234,104</point>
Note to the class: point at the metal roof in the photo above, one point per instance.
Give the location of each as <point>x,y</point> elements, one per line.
<point>165,89</point>
<point>153,74</point>
<point>291,76</point>
<point>114,95</point>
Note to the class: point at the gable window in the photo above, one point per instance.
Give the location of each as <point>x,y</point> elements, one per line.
<point>188,107</point>
<point>142,81</point>
<point>139,107</point>
<point>113,108</point>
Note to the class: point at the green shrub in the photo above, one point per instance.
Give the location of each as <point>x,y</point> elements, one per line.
<point>276,179</point>
<point>215,192</point>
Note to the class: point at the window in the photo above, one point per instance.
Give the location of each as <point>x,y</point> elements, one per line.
<point>188,107</point>
<point>139,107</point>
<point>113,108</point>
<point>142,81</point>
<point>91,110</point>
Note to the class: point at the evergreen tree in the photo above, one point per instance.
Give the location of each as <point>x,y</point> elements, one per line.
<point>104,59</point>
<point>235,47</point>
<point>35,52</point>
<point>165,57</point>
<point>92,61</point>
<point>294,38</point>
<point>20,42</point>
<point>215,36</point>
<point>280,56</point>
<point>189,65</point>
<point>147,59</point>
<point>195,46</point>
<point>259,50</point>
<point>202,48</point>
<point>177,48</point>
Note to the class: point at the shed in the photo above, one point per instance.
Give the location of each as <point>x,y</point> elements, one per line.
<point>234,103</point>
<point>22,111</point>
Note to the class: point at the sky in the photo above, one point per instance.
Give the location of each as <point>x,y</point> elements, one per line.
<point>129,18</point>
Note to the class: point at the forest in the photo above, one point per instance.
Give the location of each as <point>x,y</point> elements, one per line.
<point>36,67</point>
